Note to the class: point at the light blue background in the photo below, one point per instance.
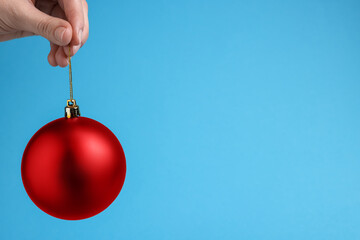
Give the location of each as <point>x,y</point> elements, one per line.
<point>239,119</point>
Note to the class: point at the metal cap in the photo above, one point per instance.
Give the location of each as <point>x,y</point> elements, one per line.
<point>71,110</point>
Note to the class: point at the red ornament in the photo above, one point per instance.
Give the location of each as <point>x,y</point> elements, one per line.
<point>73,168</point>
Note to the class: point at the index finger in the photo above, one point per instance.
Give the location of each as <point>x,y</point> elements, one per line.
<point>75,15</point>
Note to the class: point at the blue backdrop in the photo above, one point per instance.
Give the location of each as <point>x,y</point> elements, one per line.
<point>239,119</point>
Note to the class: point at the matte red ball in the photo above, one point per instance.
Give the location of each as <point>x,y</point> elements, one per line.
<point>73,168</point>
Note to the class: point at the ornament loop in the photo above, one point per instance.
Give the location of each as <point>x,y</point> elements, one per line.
<point>71,103</point>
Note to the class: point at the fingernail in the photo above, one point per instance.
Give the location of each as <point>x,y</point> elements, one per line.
<point>59,33</point>
<point>80,36</point>
<point>76,48</point>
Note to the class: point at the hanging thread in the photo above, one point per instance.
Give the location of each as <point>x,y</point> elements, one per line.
<point>72,109</point>
<point>70,75</point>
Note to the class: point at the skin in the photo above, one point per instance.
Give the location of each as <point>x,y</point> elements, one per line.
<point>63,22</point>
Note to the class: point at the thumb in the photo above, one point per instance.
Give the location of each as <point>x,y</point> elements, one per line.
<point>56,30</point>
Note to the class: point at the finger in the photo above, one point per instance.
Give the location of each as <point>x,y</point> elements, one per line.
<point>85,33</point>
<point>74,13</point>
<point>73,50</point>
<point>56,30</point>
<point>86,23</point>
<point>51,56</point>
<point>61,58</point>
<point>57,11</point>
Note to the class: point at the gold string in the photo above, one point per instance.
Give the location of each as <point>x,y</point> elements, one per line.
<point>70,76</point>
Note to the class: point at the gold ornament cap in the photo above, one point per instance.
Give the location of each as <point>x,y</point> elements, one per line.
<point>72,110</point>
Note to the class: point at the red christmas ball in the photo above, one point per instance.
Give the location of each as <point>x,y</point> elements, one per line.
<point>73,168</point>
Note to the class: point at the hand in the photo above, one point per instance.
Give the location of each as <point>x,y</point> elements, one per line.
<point>62,22</point>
